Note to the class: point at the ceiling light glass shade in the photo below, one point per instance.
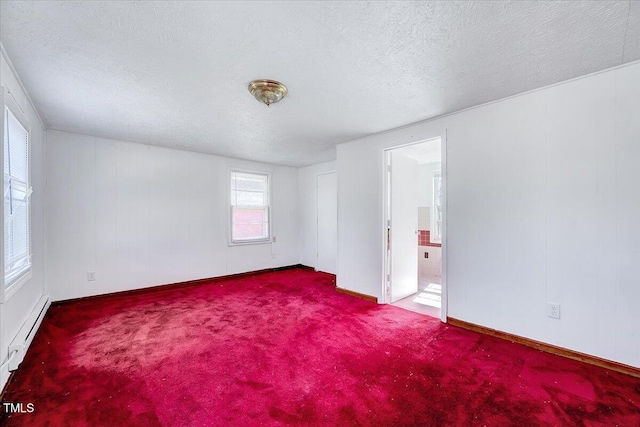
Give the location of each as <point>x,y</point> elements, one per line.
<point>267,91</point>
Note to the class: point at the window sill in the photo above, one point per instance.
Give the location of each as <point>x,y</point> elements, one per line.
<point>12,289</point>
<point>249,242</point>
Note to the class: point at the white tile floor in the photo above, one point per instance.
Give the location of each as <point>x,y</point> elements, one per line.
<point>428,298</point>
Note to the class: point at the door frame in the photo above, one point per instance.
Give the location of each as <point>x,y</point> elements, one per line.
<point>317,217</point>
<point>385,218</point>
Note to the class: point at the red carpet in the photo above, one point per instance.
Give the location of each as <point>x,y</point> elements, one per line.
<point>284,348</point>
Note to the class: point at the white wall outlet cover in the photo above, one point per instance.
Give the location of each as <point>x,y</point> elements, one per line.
<point>553,310</point>
<point>91,276</point>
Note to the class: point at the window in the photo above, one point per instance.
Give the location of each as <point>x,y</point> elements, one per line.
<point>249,207</point>
<point>17,241</point>
<point>436,218</point>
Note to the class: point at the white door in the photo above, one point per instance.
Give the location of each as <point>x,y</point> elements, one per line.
<point>327,237</point>
<point>404,226</point>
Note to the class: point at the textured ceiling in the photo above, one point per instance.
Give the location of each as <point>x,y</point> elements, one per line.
<point>175,74</point>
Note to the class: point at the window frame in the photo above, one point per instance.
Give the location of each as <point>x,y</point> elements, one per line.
<point>433,237</point>
<point>8,103</point>
<point>259,241</point>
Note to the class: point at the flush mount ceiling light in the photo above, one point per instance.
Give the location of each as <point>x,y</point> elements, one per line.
<point>267,91</point>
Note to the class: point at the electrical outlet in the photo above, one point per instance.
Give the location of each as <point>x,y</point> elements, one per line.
<point>273,239</point>
<point>553,310</point>
<point>91,276</point>
<point>426,254</point>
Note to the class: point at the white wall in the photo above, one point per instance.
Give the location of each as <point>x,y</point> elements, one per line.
<point>535,183</point>
<point>142,216</point>
<point>308,209</point>
<point>432,266</point>
<point>14,312</point>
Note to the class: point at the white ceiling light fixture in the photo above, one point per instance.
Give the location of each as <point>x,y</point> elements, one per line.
<point>267,91</point>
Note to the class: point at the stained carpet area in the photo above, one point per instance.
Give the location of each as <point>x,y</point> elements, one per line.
<point>284,348</point>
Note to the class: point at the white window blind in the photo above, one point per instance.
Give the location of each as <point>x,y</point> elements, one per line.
<point>17,241</point>
<point>249,207</point>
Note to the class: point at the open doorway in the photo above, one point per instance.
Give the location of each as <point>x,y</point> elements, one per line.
<point>414,226</point>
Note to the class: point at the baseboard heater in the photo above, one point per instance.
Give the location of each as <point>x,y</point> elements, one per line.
<point>22,341</point>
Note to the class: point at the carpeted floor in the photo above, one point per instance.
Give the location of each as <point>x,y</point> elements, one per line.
<point>284,348</point>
